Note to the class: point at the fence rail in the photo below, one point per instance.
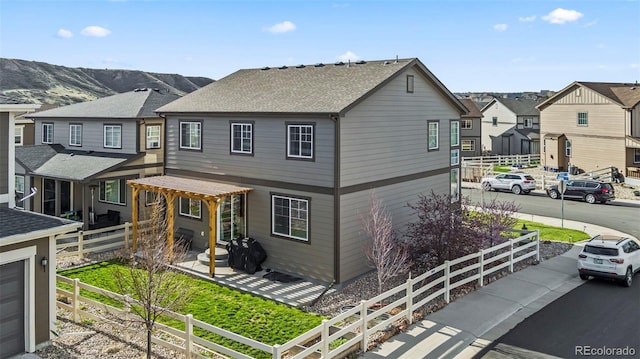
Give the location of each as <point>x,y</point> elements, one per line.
<point>82,243</point>
<point>339,335</point>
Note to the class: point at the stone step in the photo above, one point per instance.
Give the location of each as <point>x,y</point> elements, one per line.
<point>221,257</point>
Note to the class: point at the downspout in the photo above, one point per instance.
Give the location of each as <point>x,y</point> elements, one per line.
<point>336,199</point>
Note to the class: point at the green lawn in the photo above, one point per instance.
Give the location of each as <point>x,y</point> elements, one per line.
<point>253,317</point>
<point>553,233</point>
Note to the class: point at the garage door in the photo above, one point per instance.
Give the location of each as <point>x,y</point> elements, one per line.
<point>12,315</point>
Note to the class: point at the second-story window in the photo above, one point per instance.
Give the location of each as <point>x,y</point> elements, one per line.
<point>300,141</point>
<point>19,136</point>
<point>494,121</point>
<point>75,135</point>
<point>153,136</point>
<point>113,136</point>
<point>242,138</point>
<point>410,83</point>
<point>47,133</point>
<point>583,119</point>
<point>433,134</point>
<point>528,123</point>
<point>466,124</point>
<point>567,147</point>
<point>455,133</point>
<point>190,135</point>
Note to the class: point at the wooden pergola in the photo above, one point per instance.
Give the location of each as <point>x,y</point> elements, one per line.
<point>211,193</point>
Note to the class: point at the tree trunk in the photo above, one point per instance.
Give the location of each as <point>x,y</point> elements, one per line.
<point>148,344</point>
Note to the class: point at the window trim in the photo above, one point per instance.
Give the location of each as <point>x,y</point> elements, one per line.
<point>123,182</point>
<point>146,132</point>
<point>189,215</point>
<point>457,133</point>
<point>232,124</point>
<point>308,217</point>
<point>466,121</point>
<point>472,144</point>
<point>410,84</point>
<point>457,157</point>
<point>586,119</point>
<point>19,132</point>
<point>527,119</point>
<point>290,125</point>
<point>189,148</point>
<point>44,132</point>
<point>437,146</point>
<point>71,127</point>
<point>104,135</point>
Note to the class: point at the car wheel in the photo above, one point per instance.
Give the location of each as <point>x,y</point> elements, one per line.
<point>526,192</point>
<point>591,199</point>
<point>516,189</point>
<point>554,194</point>
<point>628,278</point>
<point>486,186</point>
<point>584,276</point>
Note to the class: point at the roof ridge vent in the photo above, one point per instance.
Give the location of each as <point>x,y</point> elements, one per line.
<point>301,66</point>
<point>319,64</point>
<point>386,63</point>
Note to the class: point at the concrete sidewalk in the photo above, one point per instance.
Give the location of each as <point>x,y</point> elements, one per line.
<point>467,325</point>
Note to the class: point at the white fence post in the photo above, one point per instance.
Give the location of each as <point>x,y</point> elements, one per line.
<point>188,333</point>
<point>447,270</point>
<point>76,294</point>
<point>81,244</point>
<point>325,338</point>
<point>511,255</point>
<point>409,300</point>
<point>537,245</point>
<point>276,352</point>
<point>481,268</point>
<point>363,317</point>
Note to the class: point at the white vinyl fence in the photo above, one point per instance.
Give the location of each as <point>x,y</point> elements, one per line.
<point>347,331</point>
<point>82,243</point>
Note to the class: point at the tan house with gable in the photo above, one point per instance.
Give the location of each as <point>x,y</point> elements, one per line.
<point>592,125</point>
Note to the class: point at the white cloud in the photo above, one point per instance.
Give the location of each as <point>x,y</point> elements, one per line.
<point>348,56</point>
<point>500,27</point>
<point>95,31</point>
<point>561,16</point>
<point>285,26</point>
<point>527,19</point>
<point>65,33</point>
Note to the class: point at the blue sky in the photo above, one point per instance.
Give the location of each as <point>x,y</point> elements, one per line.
<point>491,45</point>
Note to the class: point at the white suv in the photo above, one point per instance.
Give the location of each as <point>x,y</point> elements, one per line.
<point>517,183</point>
<point>610,257</point>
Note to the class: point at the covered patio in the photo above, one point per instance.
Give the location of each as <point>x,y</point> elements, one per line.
<point>171,188</point>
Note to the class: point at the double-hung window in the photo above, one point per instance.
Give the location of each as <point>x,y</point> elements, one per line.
<point>191,135</point>
<point>242,138</point>
<point>19,191</point>
<point>113,191</point>
<point>455,133</point>
<point>567,147</point>
<point>466,124</point>
<point>153,137</point>
<point>112,136</point>
<point>583,119</point>
<point>468,145</point>
<point>528,123</point>
<point>290,217</point>
<point>300,141</point>
<point>432,135</point>
<point>494,121</point>
<point>455,157</point>
<point>47,133</point>
<point>19,135</point>
<point>190,207</point>
<point>75,135</point>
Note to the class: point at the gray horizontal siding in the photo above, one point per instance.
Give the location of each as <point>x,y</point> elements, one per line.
<point>385,136</point>
<point>92,134</point>
<point>268,161</point>
<point>4,153</point>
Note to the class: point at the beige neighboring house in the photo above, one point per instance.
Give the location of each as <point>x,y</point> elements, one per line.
<point>592,125</point>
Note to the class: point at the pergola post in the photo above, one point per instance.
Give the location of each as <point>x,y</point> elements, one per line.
<point>134,214</point>
<point>213,205</point>
<point>170,197</point>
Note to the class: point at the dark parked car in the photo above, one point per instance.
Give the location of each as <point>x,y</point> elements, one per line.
<point>588,190</point>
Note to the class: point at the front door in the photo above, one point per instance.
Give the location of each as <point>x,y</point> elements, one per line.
<point>231,218</point>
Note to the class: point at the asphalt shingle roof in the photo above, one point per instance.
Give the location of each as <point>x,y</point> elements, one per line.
<point>15,222</point>
<point>474,111</point>
<point>321,88</point>
<point>624,94</point>
<point>521,107</point>
<point>139,103</point>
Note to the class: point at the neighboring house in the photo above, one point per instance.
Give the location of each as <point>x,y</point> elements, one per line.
<point>27,254</point>
<point>297,151</point>
<point>471,130</point>
<point>85,152</point>
<point>592,125</point>
<point>25,129</point>
<point>511,127</point>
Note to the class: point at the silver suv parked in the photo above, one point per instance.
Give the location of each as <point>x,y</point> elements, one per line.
<point>517,183</point>
<point>610,257</point>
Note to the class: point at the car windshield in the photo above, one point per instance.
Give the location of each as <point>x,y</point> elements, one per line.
<point>601,250</point>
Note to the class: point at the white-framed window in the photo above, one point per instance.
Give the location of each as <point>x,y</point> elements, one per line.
<point>494,121</point>
<point>153,136</point>
<point>242,138</point>
<point>468,145</point>
<point>75,134</point>
<point>19,191</point>
<point>432,135</point>
<point>290,217</point>
<point>19,135</point>
<point>466,124</point>
<point>455,157</point>
<point>528,123</point>
<point>112,136</point>
<point>455,133</point>
<point>47,133</point>
<point>583,119</point>
<point>300,141</point>
<point>113,191</point>
<point>567,148</point>
<point>190,207</point>
<point>410,83</point>
<point>190,135</point>
<point>636,155</point>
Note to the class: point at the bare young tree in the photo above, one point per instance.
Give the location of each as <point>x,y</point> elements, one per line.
<point>385,253</point>
<point>490,220</point>
<point>154,285</point>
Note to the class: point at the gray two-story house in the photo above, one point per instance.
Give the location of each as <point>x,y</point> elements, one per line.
<point>511,126</point>
<point>305,146</point>
<point>471,130</point>
<point>85,152</point>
